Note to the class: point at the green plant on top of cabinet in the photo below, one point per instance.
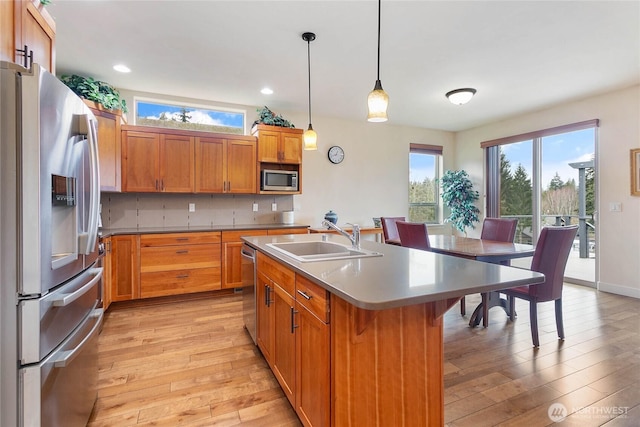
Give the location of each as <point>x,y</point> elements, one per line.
<point>225,165</point>
<point>157,162</point>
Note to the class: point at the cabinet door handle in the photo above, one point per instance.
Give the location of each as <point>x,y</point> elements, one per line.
<point>293,320</point>
<point>267,291</point>
<point>182,252</point>
<point>156,185</point>
<point>305,295</point>
<point>162,184</point>
<point>228,185</point>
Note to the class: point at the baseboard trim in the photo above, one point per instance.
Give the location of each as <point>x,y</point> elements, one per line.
<point>619,290</point>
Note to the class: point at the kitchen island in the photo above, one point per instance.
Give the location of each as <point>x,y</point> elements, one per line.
<point>360,341</point>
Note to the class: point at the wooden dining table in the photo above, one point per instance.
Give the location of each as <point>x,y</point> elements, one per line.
<point>486,251</point>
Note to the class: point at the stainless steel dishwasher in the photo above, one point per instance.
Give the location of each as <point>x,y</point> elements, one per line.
<point>249,289</point>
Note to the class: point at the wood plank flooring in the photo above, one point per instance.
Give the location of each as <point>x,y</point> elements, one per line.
<point>189,362</point>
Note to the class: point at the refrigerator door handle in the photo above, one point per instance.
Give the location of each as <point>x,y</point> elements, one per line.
<point>68,356</point>
<point>94,198</point>
<point>66,299</point>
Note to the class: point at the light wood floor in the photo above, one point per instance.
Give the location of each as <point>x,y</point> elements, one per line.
<point>191,363</point>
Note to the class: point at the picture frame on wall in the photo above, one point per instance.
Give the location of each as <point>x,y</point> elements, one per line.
<point>635,172</point>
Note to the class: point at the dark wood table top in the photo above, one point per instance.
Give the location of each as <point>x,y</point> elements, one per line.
<point>479,249</point>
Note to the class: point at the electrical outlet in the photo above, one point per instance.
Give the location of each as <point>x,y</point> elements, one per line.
<point>274,207</point>
<point>192,207</point>
<point>255,207</point>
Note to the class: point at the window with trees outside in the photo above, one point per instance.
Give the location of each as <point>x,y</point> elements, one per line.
<point>544,178</point>
<point>192,117</point>
<point>425,166</point>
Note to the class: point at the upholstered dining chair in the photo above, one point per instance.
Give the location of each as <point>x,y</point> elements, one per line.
<point>550,258</point>
<point>389,229</point>
<point>500,230</point>
<point>413,235</point>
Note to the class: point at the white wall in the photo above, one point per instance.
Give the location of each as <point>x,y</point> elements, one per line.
<point>618,240</point>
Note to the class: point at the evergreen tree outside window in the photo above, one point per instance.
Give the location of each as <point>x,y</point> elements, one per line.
<point>425,166</point>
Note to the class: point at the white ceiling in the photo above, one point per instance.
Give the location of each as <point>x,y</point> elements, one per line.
<point>520,56</point>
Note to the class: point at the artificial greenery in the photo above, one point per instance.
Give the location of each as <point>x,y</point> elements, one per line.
<point>459,196</point>
<point>268,117</point>
<point>95,90</point>
<point>45,2</point>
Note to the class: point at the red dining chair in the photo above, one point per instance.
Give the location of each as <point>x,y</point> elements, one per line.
<point>389,229</point>
<point>500,230</point>
<point>550,258</point>
<point>413,235</point>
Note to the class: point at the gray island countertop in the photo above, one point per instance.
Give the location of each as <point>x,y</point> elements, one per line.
<point>399,277</point>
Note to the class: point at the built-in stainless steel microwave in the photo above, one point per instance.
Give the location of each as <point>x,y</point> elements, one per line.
<point>279,180</point>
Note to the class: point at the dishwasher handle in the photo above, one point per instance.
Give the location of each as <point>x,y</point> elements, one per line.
<point>248,252</point>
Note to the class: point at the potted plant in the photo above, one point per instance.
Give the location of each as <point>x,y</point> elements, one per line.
<point>459,196</point>
<point>268,117</point>
<point>95,90</point>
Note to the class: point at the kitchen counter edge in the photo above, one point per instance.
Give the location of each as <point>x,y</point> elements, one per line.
<point>106,232</point>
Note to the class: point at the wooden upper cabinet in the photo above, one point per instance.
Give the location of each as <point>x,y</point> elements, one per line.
<point>176,163</point>
<point>225,165</point>
<point>140,161</point>
<point>109,146</point>
<point>241,166</point>
<point>22,23</point>
<point>211,164</point>
<point>278,145</point>
<point>157,162</point>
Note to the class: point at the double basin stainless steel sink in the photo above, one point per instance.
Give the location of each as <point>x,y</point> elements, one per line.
<point>320,251</point>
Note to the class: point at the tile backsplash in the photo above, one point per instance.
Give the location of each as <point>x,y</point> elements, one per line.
<point>139,210</point>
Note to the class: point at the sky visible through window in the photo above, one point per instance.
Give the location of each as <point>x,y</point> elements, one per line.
<point>197,115</point>
<point>557,152</point>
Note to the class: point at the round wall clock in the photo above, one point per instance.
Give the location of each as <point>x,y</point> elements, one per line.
<point>336,154</point>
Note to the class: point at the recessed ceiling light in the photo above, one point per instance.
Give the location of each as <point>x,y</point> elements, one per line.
<point>266,91</point>
<point>122,68</point>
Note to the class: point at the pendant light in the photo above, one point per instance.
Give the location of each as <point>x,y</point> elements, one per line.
<point>378,100</point>
<point>310,136</point>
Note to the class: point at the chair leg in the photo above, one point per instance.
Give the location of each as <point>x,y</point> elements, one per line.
<point>559,323</point>
<point>512,307</point>
<point>463,307</point>
<point>533,316</point>
<point>485,309</point>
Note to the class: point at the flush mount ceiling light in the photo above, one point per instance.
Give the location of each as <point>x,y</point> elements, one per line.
<point>461,96</point>
<point>378,100</point>
<point>122,68</point>
<point>310,136</point>
<point>266,91</point>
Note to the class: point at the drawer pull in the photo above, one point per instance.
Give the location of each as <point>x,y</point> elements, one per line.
<point>182,252</point>
<point>305,295</point>
<point>182,276</point>
<point>182,239</point>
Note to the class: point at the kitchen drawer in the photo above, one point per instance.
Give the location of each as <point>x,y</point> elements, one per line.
<point>165,258</point>
<point>277,272</point>
<point>313,297</point>
<point>234,236</point>
<point>178,239</point>
<point>175,282</point>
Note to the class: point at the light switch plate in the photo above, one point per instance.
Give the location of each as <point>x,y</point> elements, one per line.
<point>615,207</point>
<point>192,207</point>
<point>255,207</point>
<point>274,207</point>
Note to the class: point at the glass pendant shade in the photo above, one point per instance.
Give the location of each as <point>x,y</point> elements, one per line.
<point>310,138</point>
<point>378,101</point>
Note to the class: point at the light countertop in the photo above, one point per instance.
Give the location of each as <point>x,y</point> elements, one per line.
<point>400,277</point>
<point>222,227</point>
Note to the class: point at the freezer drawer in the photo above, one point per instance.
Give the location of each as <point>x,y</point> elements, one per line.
<point>45,322</point>
<point>62,389</point>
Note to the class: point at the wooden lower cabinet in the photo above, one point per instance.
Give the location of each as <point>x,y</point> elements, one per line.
<point>232,252</point>
<point>293,335</point>
<point>124,265</point>
<point>179,263</point>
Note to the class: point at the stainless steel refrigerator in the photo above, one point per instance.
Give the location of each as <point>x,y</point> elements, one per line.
<point>49,279</point>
